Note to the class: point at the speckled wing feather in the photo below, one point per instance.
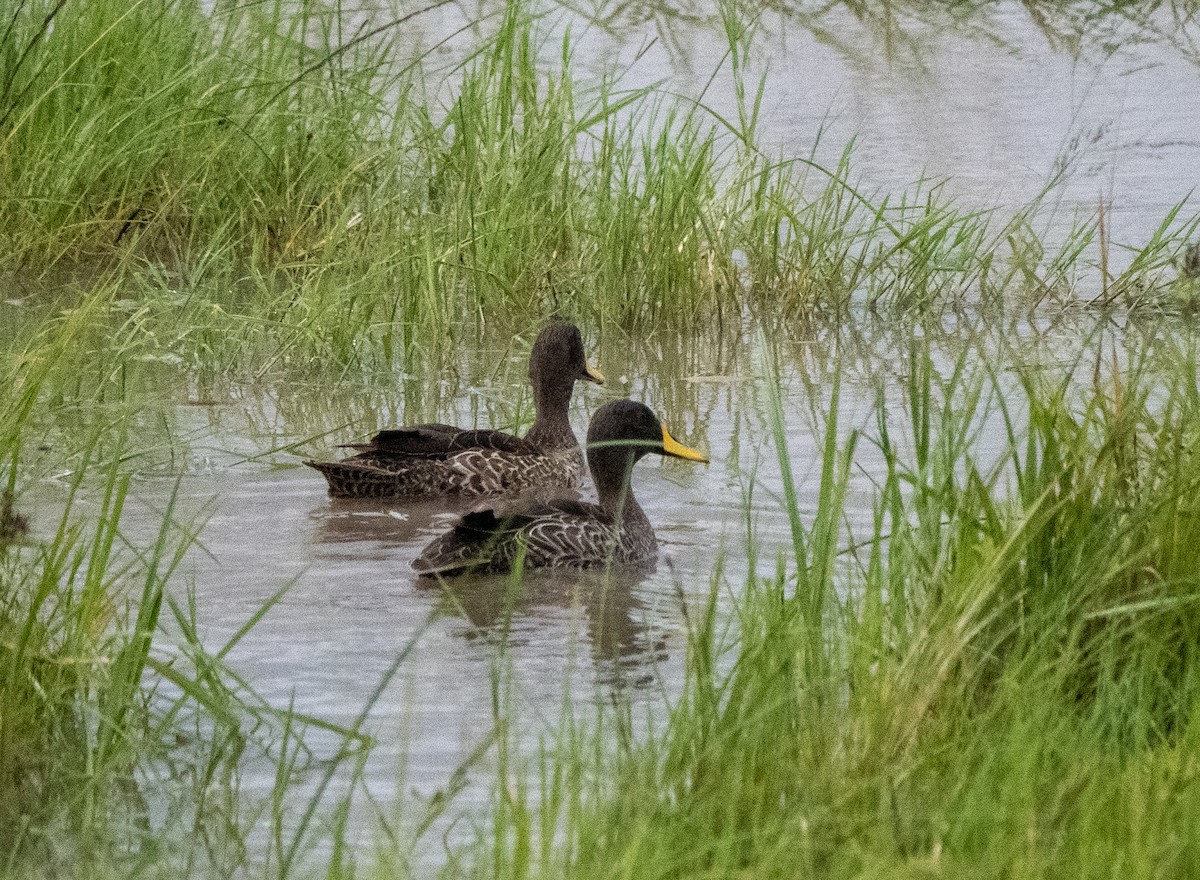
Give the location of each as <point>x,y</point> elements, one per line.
<point>438,441</point>
<point>493,472</point>
<point>562,534</point>
<point>569,539</point>
<point>480,541</point>
<point>472,473</point>
<point>353,478</point>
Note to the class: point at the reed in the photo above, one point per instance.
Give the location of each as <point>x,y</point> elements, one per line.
<point>996,680</point>
<point>120,750</point>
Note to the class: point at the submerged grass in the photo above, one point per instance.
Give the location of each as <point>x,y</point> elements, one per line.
<point>996,678</point>
<point>120,751</point>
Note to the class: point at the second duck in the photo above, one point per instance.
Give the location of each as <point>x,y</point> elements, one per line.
<point>437,459</point>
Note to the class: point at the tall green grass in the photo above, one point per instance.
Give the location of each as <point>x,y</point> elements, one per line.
<point>976,684</point>
<point>254,196</point>
<point>997,680</point>
<point>279,176</point>
<point>197,135</point>
<point>121,747</point>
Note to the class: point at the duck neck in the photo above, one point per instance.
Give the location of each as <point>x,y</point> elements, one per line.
<point>551,428</point>
<point>613,488</point>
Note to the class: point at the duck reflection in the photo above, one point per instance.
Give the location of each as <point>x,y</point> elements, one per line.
<point>626,638</point>
<point>385,524</point>
<point>392,523</point>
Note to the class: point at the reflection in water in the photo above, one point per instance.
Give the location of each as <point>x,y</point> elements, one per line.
<point>911,30</point>
<point>623,636</point>
<point>384,523</point>
<point>996,99</point>
<point>985,93</point>
<point>907,28</point>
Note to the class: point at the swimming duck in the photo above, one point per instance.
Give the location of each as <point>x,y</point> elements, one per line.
<point>437,459</point>
<point>568,533</point>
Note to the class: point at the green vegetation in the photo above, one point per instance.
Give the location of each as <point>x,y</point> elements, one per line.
<point>267,172</point>
<point>997,679</point>
<point>118,754</point>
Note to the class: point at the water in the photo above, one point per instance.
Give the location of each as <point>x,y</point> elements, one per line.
<point>566,641</point>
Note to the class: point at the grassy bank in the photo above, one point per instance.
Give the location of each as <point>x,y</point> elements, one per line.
<point>123,736</point>
<point>996,678</point>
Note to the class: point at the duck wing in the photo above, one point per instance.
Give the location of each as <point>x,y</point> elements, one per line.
<point>479,540</point>
<point>439,441</point>
<point>560,532</point>
<point>473,472</point>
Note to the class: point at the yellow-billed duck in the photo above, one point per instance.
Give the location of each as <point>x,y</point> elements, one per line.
<point>568,533</point>
<point>439,459</point>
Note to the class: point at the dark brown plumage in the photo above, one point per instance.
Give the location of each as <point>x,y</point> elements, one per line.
<point>569,533</point>
<point>1190,266</point>
<point>439,459</point>
<point>13,526</point>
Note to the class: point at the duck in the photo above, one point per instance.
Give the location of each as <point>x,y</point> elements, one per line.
<point>567,533</point>
<point>442,460</point>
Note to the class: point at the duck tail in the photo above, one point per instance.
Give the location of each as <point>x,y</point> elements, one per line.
<point>477,542</point>
<point>348,479</point>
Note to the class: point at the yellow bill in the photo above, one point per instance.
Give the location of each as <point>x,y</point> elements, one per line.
<point>593,375</point>
<point>671,446</point>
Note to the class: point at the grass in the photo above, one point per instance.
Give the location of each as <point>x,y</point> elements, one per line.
<point>996,679</point>
<point>120,751</point>
<point>276,177</point>
<point>73,717</point>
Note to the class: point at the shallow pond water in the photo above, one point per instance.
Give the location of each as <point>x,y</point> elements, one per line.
<point>562,641</point>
